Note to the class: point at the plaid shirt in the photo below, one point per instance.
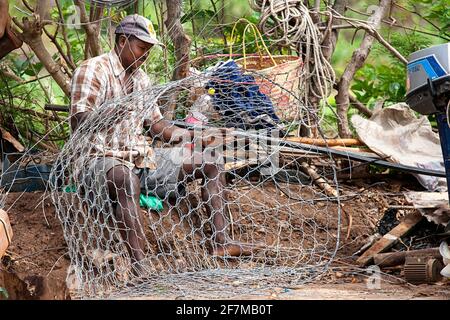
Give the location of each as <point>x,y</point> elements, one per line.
<point>102,79</point>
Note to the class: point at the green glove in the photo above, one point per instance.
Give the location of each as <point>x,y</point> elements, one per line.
<point>70,188</point>
<point>150,202</point>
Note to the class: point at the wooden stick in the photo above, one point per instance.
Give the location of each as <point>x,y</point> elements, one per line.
<point>318,180</point>
<point>236,165</point>
<point>391,237</point>
<point>356,150</point>
<point>327,142</point>
<point>329,191</point>
<point>8,137</point>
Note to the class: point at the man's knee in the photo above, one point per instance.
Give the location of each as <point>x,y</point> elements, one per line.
<point>123,179</point>
<point>212,170</point>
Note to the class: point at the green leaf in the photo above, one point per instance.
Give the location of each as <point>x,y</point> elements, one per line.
<point>34,69</point>
<point>4,292</point>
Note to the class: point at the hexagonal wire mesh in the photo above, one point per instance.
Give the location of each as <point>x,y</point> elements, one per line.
<point>226,213</point>
<point>239,213</point>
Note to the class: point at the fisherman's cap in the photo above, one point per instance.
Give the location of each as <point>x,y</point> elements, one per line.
<point>138,26</point>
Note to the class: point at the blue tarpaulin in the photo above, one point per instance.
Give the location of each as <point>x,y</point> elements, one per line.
<point>238,98</point>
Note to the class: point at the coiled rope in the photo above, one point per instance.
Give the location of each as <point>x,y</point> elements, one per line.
<point>289,24</point>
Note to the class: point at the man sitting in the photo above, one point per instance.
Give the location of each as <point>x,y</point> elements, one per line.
<point>114,75</point>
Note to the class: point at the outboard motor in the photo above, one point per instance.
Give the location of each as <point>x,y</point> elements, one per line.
<point>428,91</point>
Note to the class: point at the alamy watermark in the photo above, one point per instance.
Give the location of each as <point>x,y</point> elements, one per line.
<point>374,279</point>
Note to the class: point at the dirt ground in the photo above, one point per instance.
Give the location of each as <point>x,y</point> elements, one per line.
<point>37,259</point>
<point>346,291</point>
<point>36,263</point>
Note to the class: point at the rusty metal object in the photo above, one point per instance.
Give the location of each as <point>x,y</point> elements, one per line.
<point>419,270</point>
<point>391,259</point>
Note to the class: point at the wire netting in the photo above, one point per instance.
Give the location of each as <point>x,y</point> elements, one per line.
<point>237,207</point>
<point>227,210</point>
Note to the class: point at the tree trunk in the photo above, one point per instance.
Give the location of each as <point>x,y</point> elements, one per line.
<point>182,46</point>
<point>43,9</point>
<point>92,30</point>
<point>4,16</point>
<point>331,37</point>
<point>328,46</point>
<point>357,61</point>
<point>32,35</point>
<point>181,42</point>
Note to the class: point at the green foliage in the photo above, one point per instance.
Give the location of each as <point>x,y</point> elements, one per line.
<point>384,76</point>
<point>20,101</point>
<point>380,81</point>
<point>435,10</point>
<point>201,15</point>
<point>4,292</point>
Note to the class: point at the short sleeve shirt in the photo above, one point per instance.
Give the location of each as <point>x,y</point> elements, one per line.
<point>101,79</point>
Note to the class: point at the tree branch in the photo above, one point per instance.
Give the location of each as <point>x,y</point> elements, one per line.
<point>418,14</point>
<point>358,58</point>
<point>60,49</point>
<point>361,108</point>
<point>66,40</point>
<point>331,36</point>
<point>357,104</point>
<point>5,71</point>
<point>92,33</point>
<point>32,35</point>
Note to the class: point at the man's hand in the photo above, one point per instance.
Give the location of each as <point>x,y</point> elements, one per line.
<point>168,132</point>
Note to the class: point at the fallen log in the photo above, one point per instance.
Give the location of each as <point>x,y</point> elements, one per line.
<point>391,259</point>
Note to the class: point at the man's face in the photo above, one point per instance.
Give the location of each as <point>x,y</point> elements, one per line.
<point>132,52</point>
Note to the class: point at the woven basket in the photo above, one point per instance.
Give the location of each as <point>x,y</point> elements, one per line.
<point>277,76</point>
<point>280,82</point>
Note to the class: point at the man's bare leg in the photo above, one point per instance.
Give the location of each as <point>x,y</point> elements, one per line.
<point>124,190</point>
<point>213,193</point>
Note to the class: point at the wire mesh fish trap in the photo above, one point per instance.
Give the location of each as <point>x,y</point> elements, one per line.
<point>238,214</point>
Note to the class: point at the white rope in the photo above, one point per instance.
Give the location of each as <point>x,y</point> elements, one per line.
<point>289,24</point>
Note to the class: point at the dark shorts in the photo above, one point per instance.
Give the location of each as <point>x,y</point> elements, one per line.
<point>161,182</point>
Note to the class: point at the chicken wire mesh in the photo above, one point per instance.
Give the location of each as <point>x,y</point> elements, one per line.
<point>233,211</point>
<point>245,219</point>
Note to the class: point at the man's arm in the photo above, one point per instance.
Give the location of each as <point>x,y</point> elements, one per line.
<point>168,132</point>
<point>87,93</point>
<point>77,119</point>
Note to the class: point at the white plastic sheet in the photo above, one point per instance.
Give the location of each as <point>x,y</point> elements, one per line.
<point>398,134</point>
